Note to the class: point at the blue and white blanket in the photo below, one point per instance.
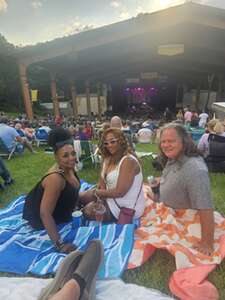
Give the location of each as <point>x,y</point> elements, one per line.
<point>24,250</point>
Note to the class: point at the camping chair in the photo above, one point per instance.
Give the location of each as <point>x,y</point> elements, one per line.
<point>4,152</point>
<point>41,137</point>
<point>89,152</point>
<point>216,158</point>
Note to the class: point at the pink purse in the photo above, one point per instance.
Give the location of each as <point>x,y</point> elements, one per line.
<point>126,214</point>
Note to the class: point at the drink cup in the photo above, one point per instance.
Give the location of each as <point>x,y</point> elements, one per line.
<point>77,218</point>
<point>99,211</point>
<point>154,184</point>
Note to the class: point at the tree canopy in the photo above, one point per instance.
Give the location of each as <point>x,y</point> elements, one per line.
<point>10,91</point>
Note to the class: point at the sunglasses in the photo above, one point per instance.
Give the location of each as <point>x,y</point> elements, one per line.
<point>111,142</point>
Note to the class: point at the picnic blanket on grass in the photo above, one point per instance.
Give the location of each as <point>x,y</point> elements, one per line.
<point>29,288</point>
<point>24,250</point>
<point>176,231</point>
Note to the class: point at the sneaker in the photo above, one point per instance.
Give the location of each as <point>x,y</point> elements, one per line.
<point>63,274</point>
<point>88,268</point>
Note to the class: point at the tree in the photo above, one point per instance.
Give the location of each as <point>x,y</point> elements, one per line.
<point>10,91</point>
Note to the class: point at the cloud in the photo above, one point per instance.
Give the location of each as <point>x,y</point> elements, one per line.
<point>124,15</point>
<point>115,4</point>
<point>3,5</point>
<point>76,27</point>
<point>36,4</point>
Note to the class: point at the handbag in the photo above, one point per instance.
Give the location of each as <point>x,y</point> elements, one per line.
<point>126,214</point>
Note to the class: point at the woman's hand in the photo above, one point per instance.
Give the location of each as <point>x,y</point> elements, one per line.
<point>67,248</point>
<point>204,248</point>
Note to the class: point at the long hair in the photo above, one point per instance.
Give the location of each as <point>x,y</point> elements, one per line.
<point>189,147</point>
<point>124,148</point>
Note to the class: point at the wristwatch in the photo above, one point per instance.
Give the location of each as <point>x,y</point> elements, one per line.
<point>59,244</point>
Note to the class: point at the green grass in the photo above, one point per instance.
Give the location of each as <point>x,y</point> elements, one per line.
<point>28,168</point>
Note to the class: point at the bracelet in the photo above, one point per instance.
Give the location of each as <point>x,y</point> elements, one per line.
<point>59,244</point>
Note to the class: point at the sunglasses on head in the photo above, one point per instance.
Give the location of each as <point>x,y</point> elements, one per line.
<point>111,142</point>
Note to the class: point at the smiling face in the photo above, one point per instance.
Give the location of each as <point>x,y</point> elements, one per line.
<point>111,143</point>
<point>66,157</point>
<point>171,144</point>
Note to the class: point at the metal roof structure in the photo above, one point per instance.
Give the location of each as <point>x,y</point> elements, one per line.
<point>185,41</point>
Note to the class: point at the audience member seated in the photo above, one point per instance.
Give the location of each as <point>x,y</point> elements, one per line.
<point>11,138</point>
<point>203,118</point>
<point>144,135</point>
<point>150,124</point>
<point>105,126</point>
<point>81,135</point>
<point>126,125</point>
<point>183,178</point>
<point>4,173</point>
<point>214,127</point>
<point>55,196</point>
<point>44,126</point>
<point>29,131</point>
<point>88,130</point>
<point>116,122</point>
<point>19,129</point>
<point>121,179</point>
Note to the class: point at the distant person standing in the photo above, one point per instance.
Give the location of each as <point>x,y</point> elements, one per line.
<point>167,114</point>
<point>180,116</point>
<point>187,116</point>
<point>203,118</point>
<point>194,119</point>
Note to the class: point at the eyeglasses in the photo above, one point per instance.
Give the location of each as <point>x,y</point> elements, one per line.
<point>111,142</point>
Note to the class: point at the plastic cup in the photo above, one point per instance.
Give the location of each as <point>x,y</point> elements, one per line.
<point>77,218</point>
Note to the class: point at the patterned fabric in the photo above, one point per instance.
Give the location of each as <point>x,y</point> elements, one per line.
<point>24,250</point>
<point>176,231</point>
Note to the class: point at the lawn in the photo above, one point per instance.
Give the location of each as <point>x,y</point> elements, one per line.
<point>28,169</point>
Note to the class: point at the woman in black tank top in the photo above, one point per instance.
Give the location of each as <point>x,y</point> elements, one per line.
<point>55,196</point>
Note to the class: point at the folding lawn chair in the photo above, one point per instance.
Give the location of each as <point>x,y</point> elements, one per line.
<point>4,152</point>
<point>41,137</point>
<point>89,152</point>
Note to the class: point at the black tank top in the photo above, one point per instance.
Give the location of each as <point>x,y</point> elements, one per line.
<point>64,207</point>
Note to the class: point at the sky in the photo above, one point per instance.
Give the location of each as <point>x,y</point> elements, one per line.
<point>27,22</point>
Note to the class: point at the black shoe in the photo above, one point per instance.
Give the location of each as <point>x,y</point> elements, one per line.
<point>9,182</point>
<point>2,187</point>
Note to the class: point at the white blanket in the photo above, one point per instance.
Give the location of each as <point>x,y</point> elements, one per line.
<point>25,288</point>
